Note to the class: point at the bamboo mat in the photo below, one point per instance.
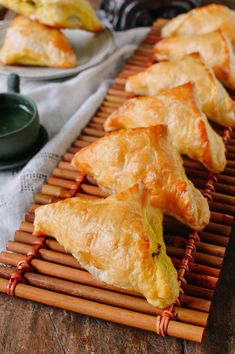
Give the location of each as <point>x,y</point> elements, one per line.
<point>55,278</point>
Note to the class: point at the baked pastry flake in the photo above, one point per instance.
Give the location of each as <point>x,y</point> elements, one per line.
<point>203,19</point>
<point>188,126</point>
<point>215,48</point>
<point>57,13</point>
<point>215,101</point>
<point>119,240</point>
<point>120,159</point>
<point>31,43</point>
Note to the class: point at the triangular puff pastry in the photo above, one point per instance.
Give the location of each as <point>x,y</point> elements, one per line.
<point>121,159</point>
<point>179,110</point>
<point>215,48</point>
<point>31,43</point>
<point>202,20</point>
<point>57,13</point>
<point>118,239</point>
<point>214,99</point>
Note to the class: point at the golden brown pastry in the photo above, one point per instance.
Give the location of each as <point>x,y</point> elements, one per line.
<point>57,13</point>
<point>31,43</point>
<point>121,159</point>
<point>214,99</point>
<point>179,110</point>
<point>202,20</point>
<point>215,48</point>
<point>119,240</point>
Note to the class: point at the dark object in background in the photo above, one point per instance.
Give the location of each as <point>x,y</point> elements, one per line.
<point>125,14</point>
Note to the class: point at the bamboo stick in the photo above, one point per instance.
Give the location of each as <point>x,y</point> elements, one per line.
<point>45,254</point>
<point>106,312</point>
<point>172,251</point>
<point>93,190</point>
<point>96,126</point>
<point>74,149</point>
<point>107,110</point>
<point>81,143</point>
<point>169,224</point>
<point>86,196</point>
<point>68,157</point>
<point>67,166</point>
<point>62,272</point>
<point>115,98</point>
<point>200,258</point>
<point>216,239</point>
<point>45,199</point>
<point>217,206</point>
<point>66,174</point>
<point>61,182</point>
<point>85,291</point>
<point>52,244</point>
<point>29,239</point>
<point>204,281</point>
<point>114,92</point>
<point>98,120</point>
<point>187,315</point>
<point>198,291</point>
<point>198,268</point>
<point>93,132</point>
<point>203,274</point>
<point>57,191</point>
<point>203,247</point>
<point>69,261</point>
<point>88,138</point>
<point>113,104</point>
<point>109,297</point>
<point>102,114</point>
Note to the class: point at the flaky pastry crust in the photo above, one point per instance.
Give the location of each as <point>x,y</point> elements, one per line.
<point>31,43</point>
<point>119,240</point>
<point>215,101</point>
<point>189,128</point>
<point>121,159</point>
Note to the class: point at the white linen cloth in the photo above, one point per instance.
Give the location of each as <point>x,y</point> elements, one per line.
<point>64,109</point>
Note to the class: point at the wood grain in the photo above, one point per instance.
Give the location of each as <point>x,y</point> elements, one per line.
<point>59,331</point>
<point>64,332</point>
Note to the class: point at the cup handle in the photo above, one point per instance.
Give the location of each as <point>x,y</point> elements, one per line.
<point>13,83</point>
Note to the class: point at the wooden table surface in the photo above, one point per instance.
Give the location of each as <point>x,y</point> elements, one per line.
<point>27,327</point>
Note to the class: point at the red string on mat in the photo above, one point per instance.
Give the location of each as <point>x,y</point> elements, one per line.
<point>25,265</point>
<point>168,314</point>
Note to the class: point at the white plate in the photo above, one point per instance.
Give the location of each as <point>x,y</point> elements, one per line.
<point>90,49</point>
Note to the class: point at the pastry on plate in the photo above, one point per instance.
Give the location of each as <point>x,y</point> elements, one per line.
<point>122,158</point>
<point>202,20</point>
<point>57,13</point>
<point>214,99</point>
<point>119,240</point>
<point>215,48</point>
<point>180,110</point>
<point>31,43</point>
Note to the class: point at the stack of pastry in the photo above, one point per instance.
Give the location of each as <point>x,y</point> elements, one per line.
<point>119,239</point>
<point>34,38</point>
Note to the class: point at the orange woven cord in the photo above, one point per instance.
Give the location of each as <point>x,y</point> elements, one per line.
<point>227,134</point>
<point>79,181</point>
<point>163,320</point>
<point>25,266</point>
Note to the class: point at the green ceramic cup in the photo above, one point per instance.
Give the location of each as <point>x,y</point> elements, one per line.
<point>19,121</point>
